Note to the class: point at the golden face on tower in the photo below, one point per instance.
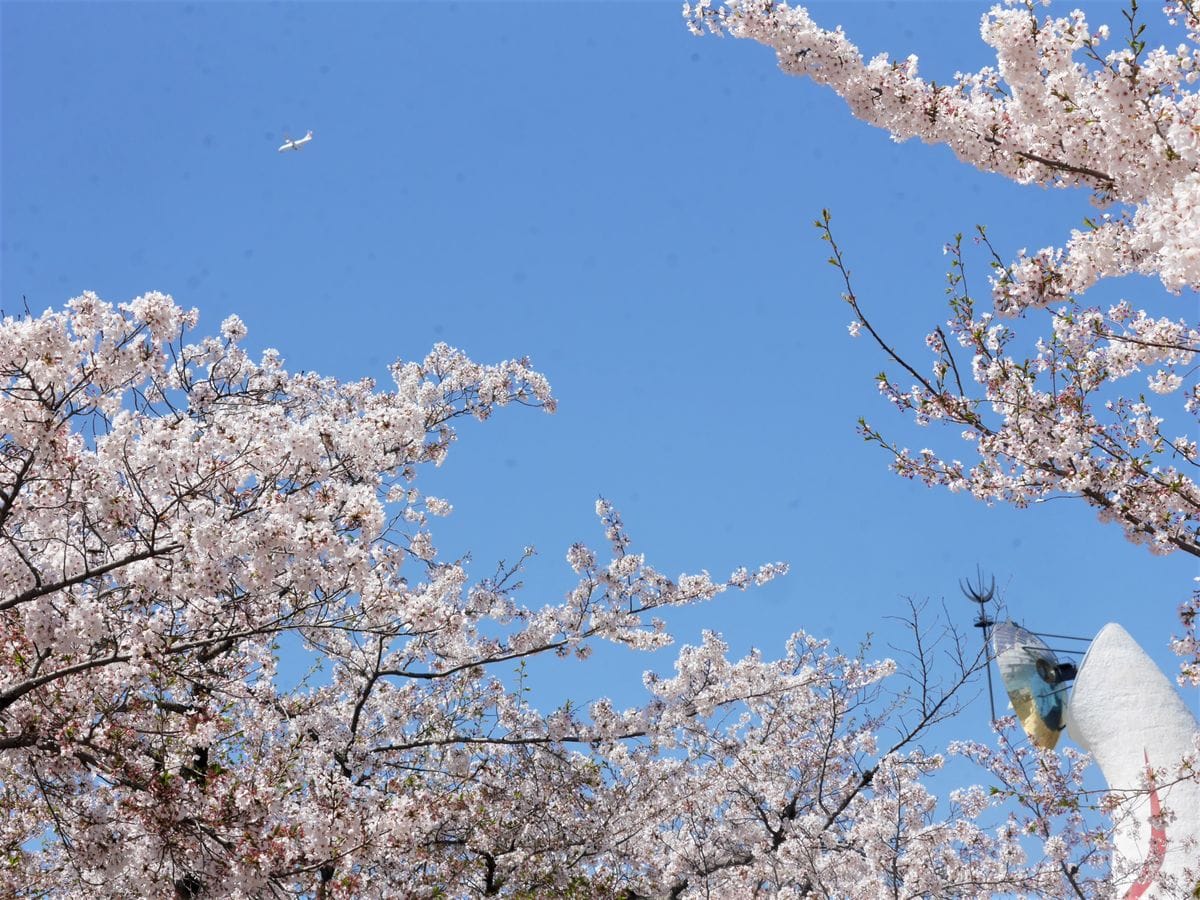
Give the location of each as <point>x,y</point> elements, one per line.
<point>1036,682</point>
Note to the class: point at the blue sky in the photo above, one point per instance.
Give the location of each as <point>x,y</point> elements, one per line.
<point>631,206</point>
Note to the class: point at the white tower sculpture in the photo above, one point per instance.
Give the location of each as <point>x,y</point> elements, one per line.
<point>1129,716</point>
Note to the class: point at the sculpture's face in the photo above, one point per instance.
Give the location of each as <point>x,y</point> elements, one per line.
<point>1035,681</point>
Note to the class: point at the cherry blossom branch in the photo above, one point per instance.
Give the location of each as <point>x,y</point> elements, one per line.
<point>42,590</point>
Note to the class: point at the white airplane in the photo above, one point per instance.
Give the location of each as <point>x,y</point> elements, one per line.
<point>289,144</point>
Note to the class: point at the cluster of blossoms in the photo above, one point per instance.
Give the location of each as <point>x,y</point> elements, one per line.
<point>1074,417</point>
<point>1121,124</point>
<point>171,512</point>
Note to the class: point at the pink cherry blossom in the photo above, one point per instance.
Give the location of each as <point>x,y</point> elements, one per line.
<point>1066,105</point>
<point>170,511</point>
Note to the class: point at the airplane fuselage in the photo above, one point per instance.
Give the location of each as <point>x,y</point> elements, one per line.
<point>296,144</point>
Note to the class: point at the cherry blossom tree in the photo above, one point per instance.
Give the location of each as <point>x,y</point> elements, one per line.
<point>1066,106</point>
<point>1082,409</point>
<point>171,511</point>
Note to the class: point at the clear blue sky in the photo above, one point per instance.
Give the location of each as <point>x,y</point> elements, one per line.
<point>631,206</point>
